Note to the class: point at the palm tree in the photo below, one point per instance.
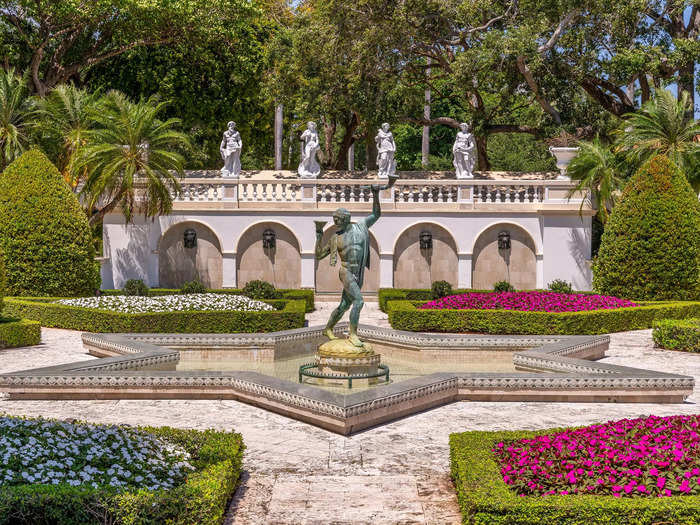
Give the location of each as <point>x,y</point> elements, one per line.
<point>664,125</point>
<point>15,114</point>
<point>65,117</point>
<point>131,159</point>
<point>596,169</point>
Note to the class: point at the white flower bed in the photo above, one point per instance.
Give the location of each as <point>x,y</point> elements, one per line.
<point>170,303</point>
<point>48,452</point>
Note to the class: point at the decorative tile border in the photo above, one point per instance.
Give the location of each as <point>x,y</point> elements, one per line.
<point>123,376</point>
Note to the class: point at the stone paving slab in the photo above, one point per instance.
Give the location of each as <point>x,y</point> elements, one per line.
<point>292,468</point>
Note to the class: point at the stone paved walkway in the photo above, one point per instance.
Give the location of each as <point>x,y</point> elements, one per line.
<point>299,474</point>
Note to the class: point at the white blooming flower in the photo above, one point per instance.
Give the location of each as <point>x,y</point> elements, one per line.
<point>170,303</point>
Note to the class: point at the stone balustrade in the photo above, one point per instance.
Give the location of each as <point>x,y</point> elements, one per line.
<point>445,194</point>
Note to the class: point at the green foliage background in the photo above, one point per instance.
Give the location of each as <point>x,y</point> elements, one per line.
<point>650,249</point>
<point>44,234</point>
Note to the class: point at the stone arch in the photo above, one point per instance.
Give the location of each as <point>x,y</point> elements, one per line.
<point>177,264</point>
<point>281,266</point>
<point>417,268</point>
<point>327,277</point>
<point>519,265</point>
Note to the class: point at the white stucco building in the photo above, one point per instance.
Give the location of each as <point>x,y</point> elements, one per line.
<point>459,222</point>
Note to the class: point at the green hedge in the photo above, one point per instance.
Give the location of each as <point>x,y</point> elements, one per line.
<point>202,499</point>
<point>304,294</point>
<point>678,334</point>
<point>289,314</point>
<point>424,294</point>
<point>403,315</point>
<point>485,499</point>
<point>19,332</point>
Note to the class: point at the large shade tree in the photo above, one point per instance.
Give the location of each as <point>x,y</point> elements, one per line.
<point>16,109</point>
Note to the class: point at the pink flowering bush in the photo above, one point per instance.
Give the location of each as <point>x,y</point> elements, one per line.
<point>527,302</point>
<point>652,456</point>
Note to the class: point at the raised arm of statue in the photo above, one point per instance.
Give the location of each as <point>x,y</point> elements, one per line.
<point>376,209</point>
<point>321,251</point>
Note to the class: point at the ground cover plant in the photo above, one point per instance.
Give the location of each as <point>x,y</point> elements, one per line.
<point>532,301</point>
<point>36,451</point>
<point>170,303</point>
<point>651,456</point>
<point>58,472</point>
<point>678,334</point>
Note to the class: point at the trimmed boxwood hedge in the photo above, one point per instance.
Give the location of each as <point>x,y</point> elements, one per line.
<point>44,234</point>
<point>305,294</point>
<point>485,499</point>
<point>289,314</point>
<point>19,332</point>
<point>675,334</point>
<point>202,499</point>
<point>403,315</point>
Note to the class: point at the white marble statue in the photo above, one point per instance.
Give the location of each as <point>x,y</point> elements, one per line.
<point>386,147</point>
<point>463,152</point>
<point>230,149</point>
<point>309,166</point>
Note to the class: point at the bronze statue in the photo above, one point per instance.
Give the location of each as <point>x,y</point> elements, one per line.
<point>351,244</point>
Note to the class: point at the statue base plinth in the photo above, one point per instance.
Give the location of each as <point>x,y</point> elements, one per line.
<point>344,348</point>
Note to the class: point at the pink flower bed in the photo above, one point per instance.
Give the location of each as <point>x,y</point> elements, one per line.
<point>652,456</point>
<point>527,302</point>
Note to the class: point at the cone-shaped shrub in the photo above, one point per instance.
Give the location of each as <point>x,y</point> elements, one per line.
<point>2,283</point>
<point>651,245</point>
<point>44,233</point>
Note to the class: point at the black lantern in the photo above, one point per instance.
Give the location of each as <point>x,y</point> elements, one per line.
<point>189,238</point>
<point>504,241</point>
<point>268,239</point>
<point>426,240</point>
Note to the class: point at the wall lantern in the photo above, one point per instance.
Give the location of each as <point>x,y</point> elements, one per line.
<point>189,238</point>
<point>426,240</point>
<point>268,239</point>
<point>504,241</point>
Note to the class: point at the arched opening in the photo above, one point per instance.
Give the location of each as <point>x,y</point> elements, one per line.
<point>517,264</point>
<point>269,251</point>
<point>189,251</point>
<point>423,254</point>
<point>327,279</point>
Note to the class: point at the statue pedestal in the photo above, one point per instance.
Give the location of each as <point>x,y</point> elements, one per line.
<point>338,360</point>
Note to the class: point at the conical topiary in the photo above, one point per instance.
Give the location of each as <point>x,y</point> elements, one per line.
<point>650,249</point>
<point>2,283</point>
<point>44,234</point>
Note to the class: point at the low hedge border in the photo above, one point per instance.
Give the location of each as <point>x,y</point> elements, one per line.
<point>19,332</point>
<point>289,314</point>
<point>403,315</point>
<point>217,457</point>
<point>424,294</point>
<point>485,499</point>
<point>674,334</point>
<point>305,294</point>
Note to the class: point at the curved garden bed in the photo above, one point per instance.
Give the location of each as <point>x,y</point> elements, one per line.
<point>496,483</point>
<point>410,316</point>
<point>285,315</point>
<point>59,472</point>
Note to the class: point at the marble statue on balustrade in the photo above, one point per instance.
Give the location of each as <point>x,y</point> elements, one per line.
<point>350,244</point>
<point>230,148</point>
<point>309,166</point>
<point>386,148</point>
<point>463,152</point>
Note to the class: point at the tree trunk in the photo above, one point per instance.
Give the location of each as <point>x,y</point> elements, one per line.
<point>278,136</point>
<point>346,143</point>
<point>370,152</point>
<point>482,153</point>
<point>329,127</point>
<point>686,83</point>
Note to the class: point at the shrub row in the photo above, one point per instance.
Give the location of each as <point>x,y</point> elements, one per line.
<point>288,314</point>
<point>19,332</point>
<point>202,499</point>
<point>403,315</point>
<point>676,334</point>
<point>485,499</point>
<point>305,294</point>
